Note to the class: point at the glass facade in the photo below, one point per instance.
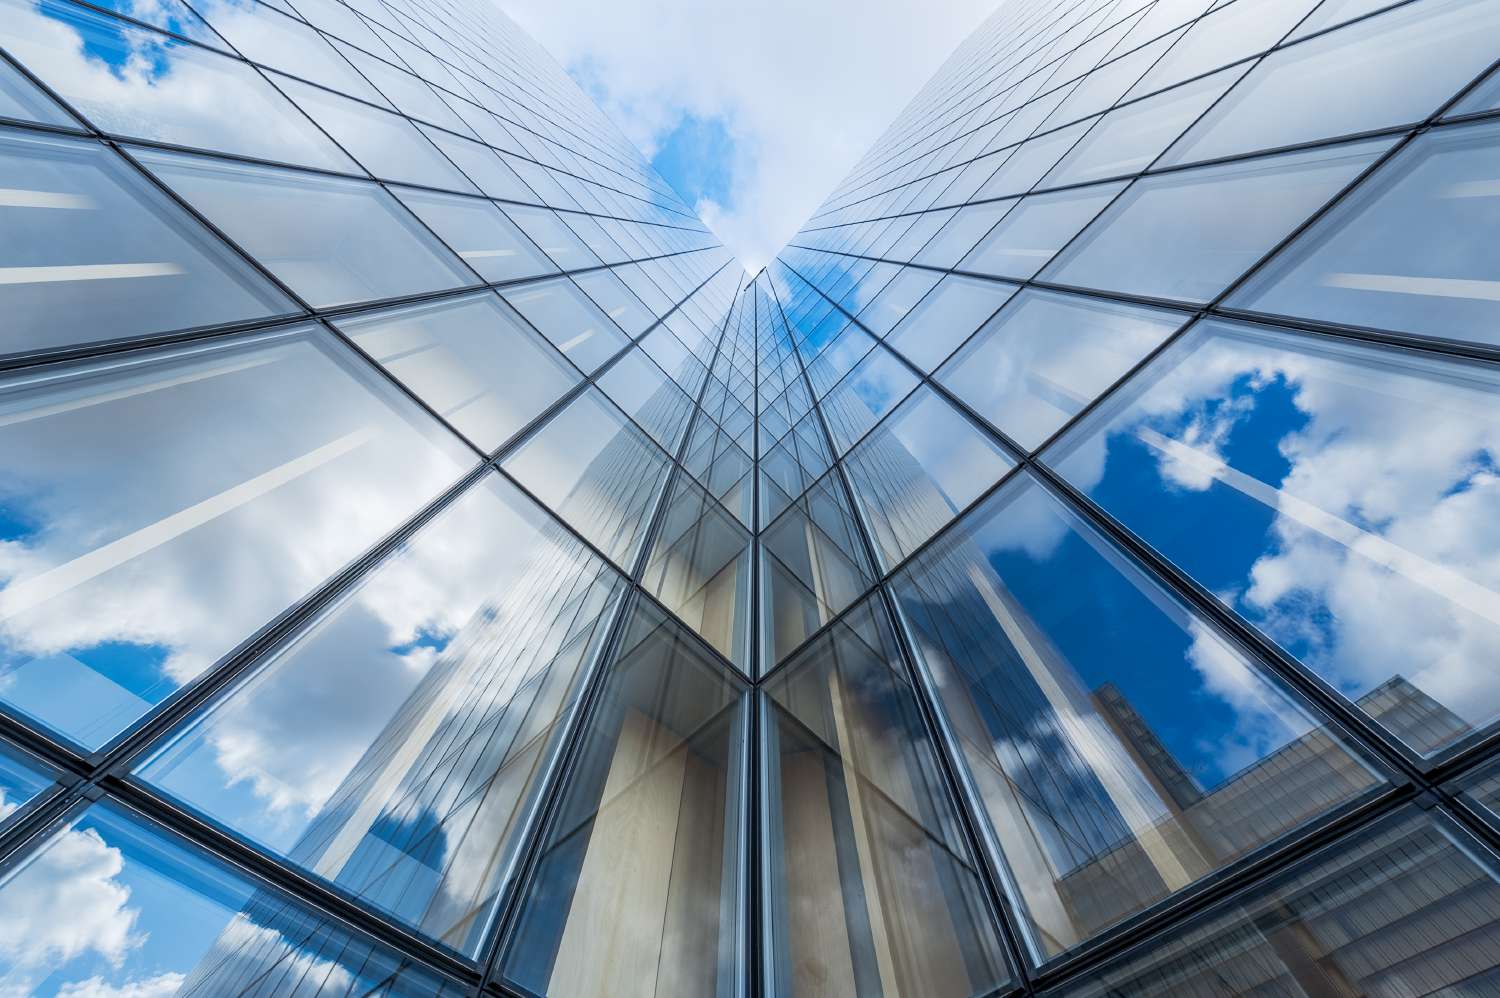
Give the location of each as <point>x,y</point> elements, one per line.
<point>430,566</point>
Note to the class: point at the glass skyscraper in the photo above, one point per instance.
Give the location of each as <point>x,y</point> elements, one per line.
<point>430,566</point>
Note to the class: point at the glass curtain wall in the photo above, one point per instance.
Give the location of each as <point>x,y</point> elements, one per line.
<point>430,566</point>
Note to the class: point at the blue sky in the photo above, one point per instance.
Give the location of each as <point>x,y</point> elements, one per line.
<point>753,112</point>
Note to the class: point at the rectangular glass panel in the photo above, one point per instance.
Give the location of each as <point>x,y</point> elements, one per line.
<point>396,746</point>
<point>92,251</point>
<point>1047,355</point>
<point>570,319</point>
<point>641,874</point>
<point>332,241</point>
<point>945,318</point>
<point>470,358</point>
<point>1347,489</point>
<point>597,471</point>
<point>160,507</point>
<point>1406,907</point>
<point>23,780</point>
<point>1120,748</point>
<point>917,470</point>
<point>617,300</point>
<point>871,390</point>
<point>482,237</point>
<point>1392,69</point>
<point>652,399</point>
<point>130,81</point>
<point>1187,235</point>
<point>1039,226</point>
<point>1412,249</point>
<point>871,888</point>
<point>110,905</point>
<point>282,42</point>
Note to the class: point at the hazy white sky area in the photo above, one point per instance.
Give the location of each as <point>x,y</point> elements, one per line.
<point>753,111</point>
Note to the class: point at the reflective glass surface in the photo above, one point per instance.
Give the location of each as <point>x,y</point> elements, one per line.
<point>941,321</point>
<point>636,888</point>
<point>1410,251</point>
<point>431,696</point>
<point>1407,906</point>
<point>91,251</point>
<point>1188,234</point>
<point>1047,355</point>
<point>652,399</point>
<point>1036,229</point>
<point>868,392</point>
<point>1349,489</point>
<point>570,319</point>
<point>918,470</point>
<point>472,359</point>
<point>596,471</point>
<point>332,241</point>
<point>872,889</point>
<point>22,781</point>
<point>1116,761</point>
<point>476,230</point>
<point>223,481</point>
<point>110,905</point>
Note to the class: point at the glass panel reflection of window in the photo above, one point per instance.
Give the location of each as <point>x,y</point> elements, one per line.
<point>333,241</point>
<point>596,470</point>
<point>700,569</point>
<point>1188,234</point>
<point>1048,355</point>
<point>870,886</point>
<point>110,905</point>
<point>130,81</point>
<point>159,507</point>
<point>92,251</point>
<point>1406,907</point>
<point>1413,249</point>
<point>814,566</point>
<point>395,746</point>
<point>476,230</point>
<point>22,781</point>
<point>917,470</point>
<point>945,318</point>
<point>1352,492</point>
<point>1121,748</point>
<point>638,890</point>
<point>470,358</point>
<point>570,319</point>
<point>1393,69</point>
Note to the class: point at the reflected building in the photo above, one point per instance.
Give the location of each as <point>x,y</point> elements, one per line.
<point>429,565</point>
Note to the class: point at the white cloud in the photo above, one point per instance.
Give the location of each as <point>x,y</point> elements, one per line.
<point>160,986</point>
<point>802,88</point>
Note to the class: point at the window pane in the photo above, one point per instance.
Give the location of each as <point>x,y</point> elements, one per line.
<point>548,231</point>
<point>946,317</point>
<point>596,471</point>
<point>387,145</point>
<point>1393,69</point>
<point>961,233</point>
<point>568,318</point>
<point>476,230</point>
<point>918,469</point>
<point>22,780</point>
<point>651,398</point>
<point>641,872</point>
<point>871,888</point>
<point>1046,356</point>
<point>904,291</point>
<point>869,392</point>
<point>1349,490</point>
<point>846,350</point>
<point>1128,139</point>
<point>469,358</point>
<point>1405,907</point>
<point>130,81</point>
<point>1039,226</point>
<point>396,746</point>
<point>91,251</point>
<point>110,905</point>
<point>1120,747</point>
<point>162,506</point>
<point>332,241</point>
<point>1186,235</point>
<point>814,566</point>
<point>1412,249</point>
<point>284,43</point>
<point>24,101</point>
<point>1231,32</point>
<point>700,569</point>
<point>618,302</point>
